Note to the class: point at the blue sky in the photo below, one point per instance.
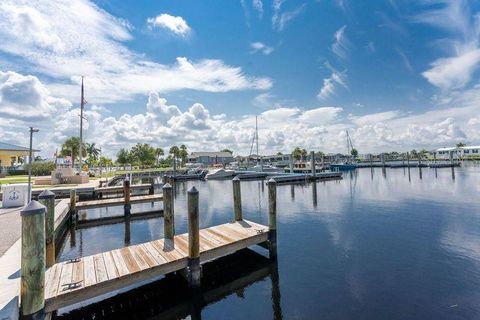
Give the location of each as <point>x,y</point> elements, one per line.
<point>397,74</point>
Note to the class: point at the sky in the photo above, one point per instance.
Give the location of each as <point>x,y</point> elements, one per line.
<point>397,75</point>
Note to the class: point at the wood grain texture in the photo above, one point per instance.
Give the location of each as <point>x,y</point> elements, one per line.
<point>77,280</point>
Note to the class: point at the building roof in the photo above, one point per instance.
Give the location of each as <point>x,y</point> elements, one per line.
<point>210,154</point>
<point>11,147</point>
<point>470,147</point>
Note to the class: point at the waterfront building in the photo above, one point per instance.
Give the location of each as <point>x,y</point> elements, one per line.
<point>210,158</point>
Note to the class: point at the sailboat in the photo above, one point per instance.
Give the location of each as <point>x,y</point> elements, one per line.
<point>260,167</point>
<point>347,164</point>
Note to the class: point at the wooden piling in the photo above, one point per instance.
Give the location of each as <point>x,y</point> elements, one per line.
<point>237,199</point>
<point>408,159</point>
<point>291,163</point>
<point>383,160</point>
<point>32,290</point>
<point>194,272</point>
<point>47,198</point>
<point>168,212</point>
<point>312,164</point>
<point>126,195</point>
<point>151,190</point>
<point>272,217</point>
<point>73,202</point>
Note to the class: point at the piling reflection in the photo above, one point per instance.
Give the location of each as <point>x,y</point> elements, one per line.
<point>170,297</point>
<point>420,172</point>
<point>127,230</point>
<point>314,195</point>
<point>453,173</point>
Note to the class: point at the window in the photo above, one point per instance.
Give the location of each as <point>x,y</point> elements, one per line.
<point>466,151</point>
<point>475,151</point>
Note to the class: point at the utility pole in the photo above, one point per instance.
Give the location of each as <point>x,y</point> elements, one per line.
<point>82,104</point>
<point>32,130</point>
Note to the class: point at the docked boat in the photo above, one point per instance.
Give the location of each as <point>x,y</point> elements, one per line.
<point>219,174</point>
<point>343,166</point>
<point>266,168</point>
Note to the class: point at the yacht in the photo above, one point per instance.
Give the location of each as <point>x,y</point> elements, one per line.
<point>219,174</point>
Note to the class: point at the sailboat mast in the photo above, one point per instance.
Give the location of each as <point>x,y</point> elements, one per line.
<point>82,101</point>
<point>256,136</point>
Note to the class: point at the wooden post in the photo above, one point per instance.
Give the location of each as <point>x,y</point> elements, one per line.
<point>451,158</point>
<point>168,212</point>
<point>408,159</point>
<point>32,289</point>
<point>272,217</point>
<point>237,199</point>
<point>151,190</point>
<point>312,164</point>
<point>193,239</point>
<point>383,160</point>
<point>73,202</point>
<point>126,195</point>
<point>47,198</point>
<point>371,161</point>
<point>291,163</point>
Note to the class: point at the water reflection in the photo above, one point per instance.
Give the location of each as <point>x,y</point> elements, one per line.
<point>375,245</point>
<point>233,277</point>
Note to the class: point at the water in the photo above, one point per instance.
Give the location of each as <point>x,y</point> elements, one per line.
<point>375,245</point>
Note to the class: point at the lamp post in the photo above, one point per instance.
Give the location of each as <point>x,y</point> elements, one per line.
<point>32,130</point>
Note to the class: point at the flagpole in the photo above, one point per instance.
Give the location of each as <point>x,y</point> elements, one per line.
<point>82,101</point>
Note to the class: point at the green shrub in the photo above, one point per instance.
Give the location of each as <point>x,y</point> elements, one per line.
<point>41,168</point>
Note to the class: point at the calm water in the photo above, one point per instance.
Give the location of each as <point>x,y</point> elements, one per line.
<point>374,245</point>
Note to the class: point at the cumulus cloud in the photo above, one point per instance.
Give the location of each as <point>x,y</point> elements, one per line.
<point>61,40</point>
<point>174,24</point>
<point>26,98</point>
<point>260,47</point>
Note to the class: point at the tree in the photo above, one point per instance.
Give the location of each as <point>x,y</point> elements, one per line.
<point>183,154</point>
<point>158,153</point>
<point>92,150</point>
<point>143,153</point>
<point>279,153</point>
<point>227,150</point>
<point>174,151</point>
<point>123,157</point>
<point>304,154</point>
<point>423,154</point>
<point>297,153</point>
<point>72,146</point>
<point>354,153</point>
<point>414,154</point>
<point>105,162</point>
<point>460,144</point>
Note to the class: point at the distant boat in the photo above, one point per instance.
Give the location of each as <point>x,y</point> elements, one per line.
<point>347,164</point>
<point>266,168</point>
<point>219,174</point>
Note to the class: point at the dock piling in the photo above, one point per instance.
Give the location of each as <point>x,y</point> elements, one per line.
<point>291,163</point>
<point>272,217</point>
<point>73,202</point>
<point>47,198</point>
<point>194,270</point>
<point>168,212</point>
<point>32,290</point>
<point>126,194</point>
<point>312,164</point>
<point>237,199</point>
<point>408,159</point>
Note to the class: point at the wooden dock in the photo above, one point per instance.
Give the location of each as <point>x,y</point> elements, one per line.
<point>118,201</point>
<point>80,279</point>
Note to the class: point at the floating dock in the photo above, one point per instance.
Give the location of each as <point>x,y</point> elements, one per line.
<point>297,177</point>
<point>83,278</point>
<point>118,201</point>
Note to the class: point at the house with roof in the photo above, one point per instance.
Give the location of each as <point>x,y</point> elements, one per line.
<point>11,155</point>
<point>210,158</point>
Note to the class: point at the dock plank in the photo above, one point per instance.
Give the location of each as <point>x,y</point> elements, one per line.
<point>84,278</point>
<point>118,201</point>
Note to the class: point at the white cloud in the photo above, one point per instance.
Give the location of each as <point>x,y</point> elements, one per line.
<point>62,39</point>
<point>279,20</point>
<point>405,60</point>
<point>258,6</point>
<point>340,44</point>
<point>330,83</point>
<point>374,118</point>
<point>261,47</point>
<point>177,25</point>
<point>454,71</point>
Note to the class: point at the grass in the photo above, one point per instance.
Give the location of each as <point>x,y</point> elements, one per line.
<point>14,179</point>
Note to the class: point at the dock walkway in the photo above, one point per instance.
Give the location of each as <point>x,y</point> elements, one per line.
<point>80,279</point>
<point>118,201</point>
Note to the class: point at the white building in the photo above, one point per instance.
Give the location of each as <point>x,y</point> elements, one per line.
<point>457,152</point>
<point>210,158</point>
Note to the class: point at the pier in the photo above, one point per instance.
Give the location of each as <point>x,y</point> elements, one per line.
<point>46,288</point>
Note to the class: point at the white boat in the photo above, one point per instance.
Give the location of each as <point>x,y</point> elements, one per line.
<point>266,168</point>
<point>220,174</point>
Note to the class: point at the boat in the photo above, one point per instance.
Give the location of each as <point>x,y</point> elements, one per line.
<point>348,164</point>
<point>219,174</point>
<point>266,168</point>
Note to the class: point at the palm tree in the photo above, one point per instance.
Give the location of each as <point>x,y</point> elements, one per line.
<point>183,153</point>
<point>92,150</point>
<point>71,146</point>
<point>158,153</point>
